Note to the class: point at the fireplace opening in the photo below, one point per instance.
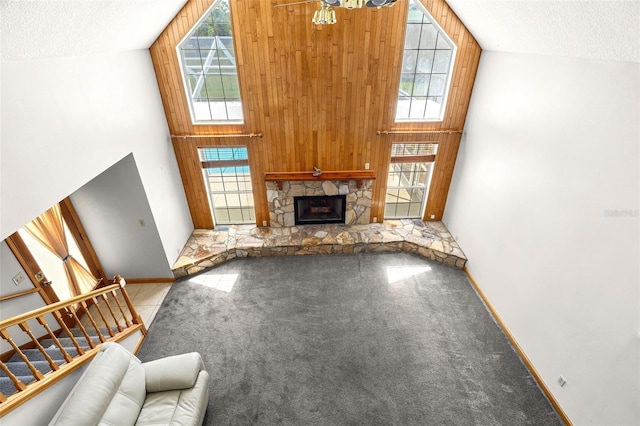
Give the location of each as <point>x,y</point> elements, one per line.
<point>320,209</point>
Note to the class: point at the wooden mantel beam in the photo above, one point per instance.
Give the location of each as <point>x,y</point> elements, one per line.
<point>358,175</point>
<point>329,175</point>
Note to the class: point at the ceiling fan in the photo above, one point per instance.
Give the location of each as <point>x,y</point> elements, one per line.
<point>326,15</point>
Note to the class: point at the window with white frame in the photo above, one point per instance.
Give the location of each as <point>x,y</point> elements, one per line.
<point>208,63</point>
<point>427,66</point>
<point>228,181</point>
<point>409,179</point>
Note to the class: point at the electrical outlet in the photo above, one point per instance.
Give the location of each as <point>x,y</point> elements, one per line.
<point>264,223</point>
<point>366,166</point>
<point>375,219</point>
<point>18,278</point>
<point>433,216</point>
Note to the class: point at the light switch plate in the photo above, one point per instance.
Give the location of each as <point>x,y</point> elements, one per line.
<point>18,278</point>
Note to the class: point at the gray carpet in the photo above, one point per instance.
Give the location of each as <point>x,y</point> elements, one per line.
<point>362,339</point>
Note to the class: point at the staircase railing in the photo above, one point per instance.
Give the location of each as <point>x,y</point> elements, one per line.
<point>105,314</point>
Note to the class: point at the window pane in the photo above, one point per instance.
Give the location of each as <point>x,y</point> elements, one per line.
<point>427,50</point>
<point>429,37</point>
<point>425,60</point>
<point>442,43</point>
<point>402,210</point>
<point>434,105</point>
<point>415,14</point>
<point>409,61</point>
<point>441,61</point>
<point>408,182</point>
<point>230,186</point>
<point>412,40</point>
<point>421,85</point>
<point>209,65</point>
<point>438,82</point>
<point>418,105</point>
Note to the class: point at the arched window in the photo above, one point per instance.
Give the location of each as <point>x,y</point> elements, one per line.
<point>208,62</point>
<point>427,66</point>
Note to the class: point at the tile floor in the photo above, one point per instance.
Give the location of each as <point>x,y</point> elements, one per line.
<point>147,299</point>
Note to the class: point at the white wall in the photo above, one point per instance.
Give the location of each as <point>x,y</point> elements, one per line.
<point>121,219</point>
<point>66,120</point>
<point>9,268</point>
<point>550,152</point>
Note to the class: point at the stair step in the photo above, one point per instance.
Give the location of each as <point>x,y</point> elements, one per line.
<point>20,368</point>
<point>37,358</point>
<point>7,387</point>
<point>36,355</point>
<point>66,342</point>
<point>76,332</point>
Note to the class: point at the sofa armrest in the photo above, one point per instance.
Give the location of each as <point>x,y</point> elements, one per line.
<point>174,372</point>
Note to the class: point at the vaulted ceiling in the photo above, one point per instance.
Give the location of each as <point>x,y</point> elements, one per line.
<point>588,29</point>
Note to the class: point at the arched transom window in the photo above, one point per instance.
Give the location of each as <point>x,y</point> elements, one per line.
<point>427,66</point>
<point>208,62</point>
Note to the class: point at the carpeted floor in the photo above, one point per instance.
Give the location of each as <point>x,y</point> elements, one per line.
<point>361,339</point>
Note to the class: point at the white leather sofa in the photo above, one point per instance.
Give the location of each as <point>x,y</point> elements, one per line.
<point>118,389</point>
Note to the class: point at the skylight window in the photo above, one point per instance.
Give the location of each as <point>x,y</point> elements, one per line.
<point>208,62</point>
<point>427,66</point>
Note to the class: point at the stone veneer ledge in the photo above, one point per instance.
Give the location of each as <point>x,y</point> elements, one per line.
<point>207,248</point>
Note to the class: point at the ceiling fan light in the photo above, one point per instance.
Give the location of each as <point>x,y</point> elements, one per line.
<point>324,15</point>
<point>352,4</point>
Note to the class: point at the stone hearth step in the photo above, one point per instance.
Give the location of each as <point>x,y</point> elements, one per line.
<point>207,248</point>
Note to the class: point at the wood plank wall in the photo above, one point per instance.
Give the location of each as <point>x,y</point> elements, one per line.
<point>318,94</point>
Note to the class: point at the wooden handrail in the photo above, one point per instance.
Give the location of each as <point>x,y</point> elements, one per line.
<point>22,293</point>
<point>55,306</point>
<point>74,307</point>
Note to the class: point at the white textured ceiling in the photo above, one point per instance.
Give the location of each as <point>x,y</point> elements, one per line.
<point>32,29</point>
<point>605,29</point>
<point>608,30</point>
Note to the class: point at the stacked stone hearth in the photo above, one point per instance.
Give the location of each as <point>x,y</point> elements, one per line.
<point>210,247</point>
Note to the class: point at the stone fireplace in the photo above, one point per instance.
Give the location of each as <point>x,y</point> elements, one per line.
<point>282,206</point>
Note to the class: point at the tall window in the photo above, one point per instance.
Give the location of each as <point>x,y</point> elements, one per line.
<point>427,66</point>
<point>226,175</point>
<point>208,62</point>
<point>409,180</point>
<point>54,248</point>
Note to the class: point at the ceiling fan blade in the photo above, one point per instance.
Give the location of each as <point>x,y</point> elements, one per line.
<point>295,3</point>
<point>380,3</point>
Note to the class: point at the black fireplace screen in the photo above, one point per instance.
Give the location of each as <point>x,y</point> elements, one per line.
<point>320,209</point>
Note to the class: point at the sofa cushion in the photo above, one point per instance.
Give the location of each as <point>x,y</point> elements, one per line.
<point>177,407</point>
<point>110,391</point>
<point>172,372</point>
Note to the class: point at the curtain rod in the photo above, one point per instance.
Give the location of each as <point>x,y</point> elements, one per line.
<point>237,135</point>
<point>415,132</point>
